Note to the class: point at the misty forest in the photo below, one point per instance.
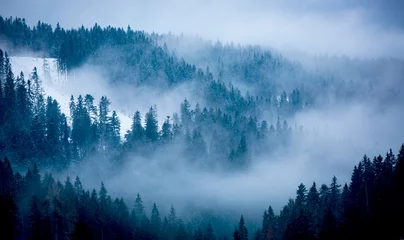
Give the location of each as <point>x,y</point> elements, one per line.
<point>116,133</point>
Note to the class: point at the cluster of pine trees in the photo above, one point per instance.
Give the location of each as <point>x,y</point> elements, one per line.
<point>35,207</point>
<point>138,59</point>
<point>370,207</point>
<point>33,128</point>
<point>267,73</point>
<point>127,54</point>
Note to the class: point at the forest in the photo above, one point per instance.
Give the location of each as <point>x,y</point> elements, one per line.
<point>225,132</point>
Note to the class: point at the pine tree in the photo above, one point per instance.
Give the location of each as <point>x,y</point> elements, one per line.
<point>313,208</point>
<point>81,127</point>
<point>72,106</point>
<point>301,198</point>
<point>139,209</point>
<point>23,104</point>
<point>66,154</point>
<point>241,155</point>
<point>264,129</point>
<point>89,103</point>
<point>177,128</point>
<point>151,126</point>
<point>9,98</point>
<point>103,195</point>
<point>242,230</point>
<point>37,91</point>
<point>265,222</point>
<point>52,128</point>
<point>137,131</point>
<point>155,221</point>
<point>172,217</point>
<point>335,197</point>
<point>368,180</point>
<point>114,131</point>
<point>186,115</point>
<point>103,120</point>
<point>166,131</point>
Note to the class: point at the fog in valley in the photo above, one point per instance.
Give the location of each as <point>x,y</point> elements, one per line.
<point>345,57</point>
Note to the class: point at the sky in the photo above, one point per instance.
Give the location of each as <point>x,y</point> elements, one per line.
<point>357,28</point>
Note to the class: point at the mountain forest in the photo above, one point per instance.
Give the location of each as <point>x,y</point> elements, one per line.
<point>246,102</point>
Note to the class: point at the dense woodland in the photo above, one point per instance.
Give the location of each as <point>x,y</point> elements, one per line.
<point>29,118</point>
<point>227,132</point>
<point>370,207</point>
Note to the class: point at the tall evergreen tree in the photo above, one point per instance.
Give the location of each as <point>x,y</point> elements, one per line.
<point>155,221</point>
<point>151,125</point>
<point>242,230</point>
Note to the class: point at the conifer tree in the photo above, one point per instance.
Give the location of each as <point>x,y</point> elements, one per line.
<point>166,131</point>
<point>151,126</point>
<point>139,209</point>
<point>242,230</point>
<point>155,221</point>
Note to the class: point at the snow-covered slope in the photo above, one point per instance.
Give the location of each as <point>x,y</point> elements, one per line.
<point>55,83</point>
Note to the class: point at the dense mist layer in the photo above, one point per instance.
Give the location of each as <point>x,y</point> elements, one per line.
<point>239,101</point>
<point>333,139</point>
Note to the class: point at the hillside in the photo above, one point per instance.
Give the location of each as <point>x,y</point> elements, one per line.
<point>116,133</point>
<point>57,84</point>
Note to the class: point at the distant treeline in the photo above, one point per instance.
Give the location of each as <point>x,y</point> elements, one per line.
<point>138,58</point>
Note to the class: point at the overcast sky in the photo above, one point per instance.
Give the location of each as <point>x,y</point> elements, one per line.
<point>360,28</point>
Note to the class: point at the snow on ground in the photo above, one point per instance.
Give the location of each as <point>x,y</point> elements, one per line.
<point>55,83</point>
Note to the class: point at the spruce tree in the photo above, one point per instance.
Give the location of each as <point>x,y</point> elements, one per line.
<point>242,230</point>
<point>155,221</point>
<point>166,131</point>
<point>151,126</point>
<point>114,131</point>
<point>139,209</point>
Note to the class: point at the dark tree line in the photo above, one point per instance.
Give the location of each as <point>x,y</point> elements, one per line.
<point>36,207</point>
<point>369,207</point>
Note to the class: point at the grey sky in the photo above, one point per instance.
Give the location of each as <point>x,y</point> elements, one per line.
<point>371,28</point>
